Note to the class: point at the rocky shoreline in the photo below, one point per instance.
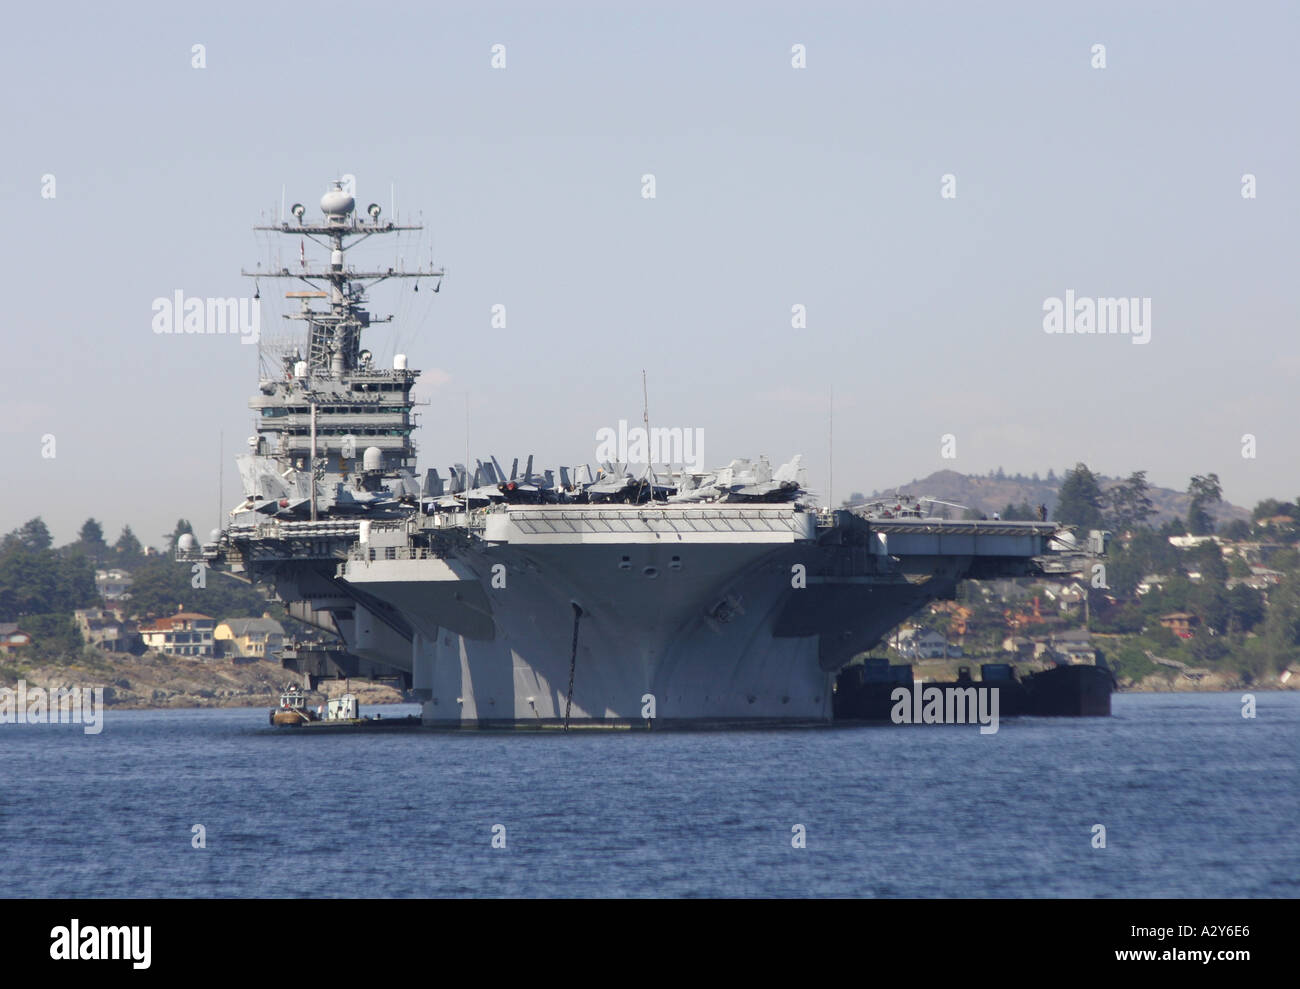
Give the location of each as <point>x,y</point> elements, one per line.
<point>156,681</point>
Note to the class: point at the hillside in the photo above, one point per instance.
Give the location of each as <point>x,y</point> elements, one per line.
<point>992,494</point>
<point>157,680</point>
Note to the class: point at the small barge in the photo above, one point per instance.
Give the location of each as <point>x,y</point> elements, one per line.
<point>338,712</point>
<point>868,692</point>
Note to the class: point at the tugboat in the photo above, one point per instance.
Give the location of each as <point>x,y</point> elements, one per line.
<point>338,712</point>
<point>293,711</point>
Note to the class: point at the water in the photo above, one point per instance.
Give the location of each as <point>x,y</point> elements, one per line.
<point>1196,800</point>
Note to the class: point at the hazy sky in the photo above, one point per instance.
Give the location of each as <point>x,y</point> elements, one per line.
<point>775,186</point>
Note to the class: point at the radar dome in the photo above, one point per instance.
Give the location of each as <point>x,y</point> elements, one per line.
<point>214,536</point>
<point>1063,542</point>
<point>373,458</point>
<point>186,542</point>
<point>336,202</point>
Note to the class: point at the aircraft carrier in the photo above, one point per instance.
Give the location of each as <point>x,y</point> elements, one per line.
<point>567,597</point>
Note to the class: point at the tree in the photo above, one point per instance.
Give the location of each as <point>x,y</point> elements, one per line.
<point>182,527</point>
<point>36,579</point>
<point>1079,501</point>
<point>1207,560</point>
<point>1245,608</point>
<point>35,535</point>
<point>1019,513</point>
<point>1129,505</point>
<point>74,579</point>
<point>1270,507</point>
<point>162,585</point>
<point>1237,566</point>
<point>1235,530</point>
<point>1125,568</point>
<point>1207,650</point>
<point>1281,626</point>
<point>92,533</point>
<point>27,580</point>
<point>128,547</point>
<point>91,540</point>
<point>1204,491</point>
<point>1153,552</point>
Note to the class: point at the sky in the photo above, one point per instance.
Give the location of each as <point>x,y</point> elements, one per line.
<point>775,186</point>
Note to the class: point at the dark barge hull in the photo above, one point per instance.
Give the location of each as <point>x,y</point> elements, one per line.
<point>866,693</point>
<point>1070,691</point>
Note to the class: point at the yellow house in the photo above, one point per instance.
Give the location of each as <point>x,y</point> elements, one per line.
<point>249,638</point>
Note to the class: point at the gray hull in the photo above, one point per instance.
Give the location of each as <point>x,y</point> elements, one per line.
<point>689,617</point>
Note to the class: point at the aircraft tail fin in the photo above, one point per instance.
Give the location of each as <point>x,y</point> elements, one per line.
<point>790,471</point>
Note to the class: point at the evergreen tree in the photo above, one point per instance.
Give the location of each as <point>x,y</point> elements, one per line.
<point>162,585</point>
<point>1079,501</point>
<point>1245,608</point>
<point>35,535</point>
<point>128,548</point>
<point>91,541</point>
<point>1129,505</point>
<point>1268,508</point>
<point>1125,568</point>
<point>1235,529</point>
<point>1205,491</point>
<point>1281,627</point>
<point>1019,513</point>
<point>1207,559</point>
<point>74,580</point>
<point>38,580</point>
<point>1152,553</point>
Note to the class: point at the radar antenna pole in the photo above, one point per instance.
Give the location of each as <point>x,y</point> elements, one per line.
<point>830,453</point>
<point>645,418</point>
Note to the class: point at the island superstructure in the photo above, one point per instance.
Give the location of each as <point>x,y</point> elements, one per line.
<point>560,596</point>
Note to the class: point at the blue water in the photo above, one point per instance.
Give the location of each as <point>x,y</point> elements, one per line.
<point>1196,801</point>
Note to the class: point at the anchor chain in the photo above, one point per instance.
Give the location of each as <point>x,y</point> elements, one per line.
<point>573,663</point>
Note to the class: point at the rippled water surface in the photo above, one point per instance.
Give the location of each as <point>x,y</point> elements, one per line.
<point>1196,801</point>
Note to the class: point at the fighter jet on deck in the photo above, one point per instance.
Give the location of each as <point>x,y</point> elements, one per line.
<point>743,480</point>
